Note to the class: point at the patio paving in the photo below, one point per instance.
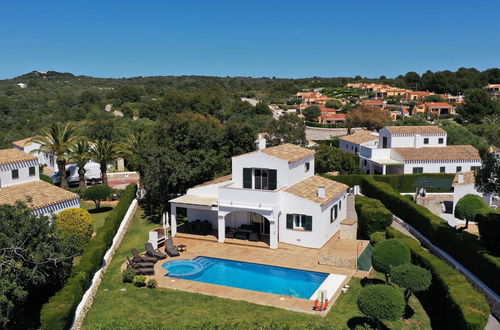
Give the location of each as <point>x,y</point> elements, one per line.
<point>285,256</point>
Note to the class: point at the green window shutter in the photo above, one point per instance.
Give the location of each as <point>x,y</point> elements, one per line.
<point>309,223</point>
<point>247,178</point>
<point>272,179</point>
<point>289,221</point>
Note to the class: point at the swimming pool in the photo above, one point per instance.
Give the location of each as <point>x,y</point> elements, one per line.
<point>244,275</point>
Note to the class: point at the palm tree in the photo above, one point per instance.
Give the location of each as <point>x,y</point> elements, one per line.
<point>491,120</point>
<point>104,152</point>
<point>79,153</point>
<point>57,139</point>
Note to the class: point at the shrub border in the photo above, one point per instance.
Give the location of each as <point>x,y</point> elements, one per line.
<point>58,312</point>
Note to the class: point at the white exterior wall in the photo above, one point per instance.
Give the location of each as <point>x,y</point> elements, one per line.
<point>410,140</point>
<point>23,167</point>
<point>297,170</point>
<point>348,146</point>
<point>44,158</point>
<point>431,167</point>
<point>259,160</point>
<point>322,229</point>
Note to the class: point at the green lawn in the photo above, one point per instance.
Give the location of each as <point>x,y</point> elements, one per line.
<point>142,308</point>
<point>98,216</point>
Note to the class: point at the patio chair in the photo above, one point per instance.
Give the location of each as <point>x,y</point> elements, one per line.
<point>230,232</point>
<point>206,228</point>
<point>154,253</point>
<point>254,237</point>
<point>170,248</point>
<point>138,265</point>
<point>138,258</point>
<point>197,227</point>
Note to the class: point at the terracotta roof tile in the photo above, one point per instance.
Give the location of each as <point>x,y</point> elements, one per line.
<point>415,130</point>
<point>359,137</point>
<point>460,152</point>
<point>23,143</point>
<point>308,189</point>
<point>289,152</point>
<point>14,155</point>
<point>42,194</point>
<point>215,181</point>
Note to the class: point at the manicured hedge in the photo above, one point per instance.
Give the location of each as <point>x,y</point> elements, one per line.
<point>372,216</point>
<point>464,247</point>
<point>402,183</point>
<point>489,229</point>
<point>450,298</point>
<point>58,312</point>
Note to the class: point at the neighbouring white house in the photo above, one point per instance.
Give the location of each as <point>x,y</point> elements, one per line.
<point>352,143</point>
<point>464,184</point>
<point>274,194</point>
<point>47,159</point>
<point>416,149</point>
<point>19,181</point>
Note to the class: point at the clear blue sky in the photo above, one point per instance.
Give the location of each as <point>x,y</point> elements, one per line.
<point>247,38</point>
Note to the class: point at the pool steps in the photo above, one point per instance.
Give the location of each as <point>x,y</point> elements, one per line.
<point>331,285</point>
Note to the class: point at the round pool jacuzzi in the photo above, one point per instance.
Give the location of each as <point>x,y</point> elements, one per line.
<point>182,268</point>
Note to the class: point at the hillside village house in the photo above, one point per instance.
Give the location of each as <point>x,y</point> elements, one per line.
<point>273,190</point>
<point>19,180</point>
<point>411,149</point>
<point>493,90</point>
<point>47,159</point>
<point>352,143</point>
<point>436,108</point>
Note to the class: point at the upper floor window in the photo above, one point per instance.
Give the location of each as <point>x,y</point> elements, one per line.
<point>32,171</point>
<point>440,140</point>
<point>475,168</point>
<point>307,166</point>
<point>459,168</point>
<point>15,174</point>
<point>442,169</point>
<point>426,140</point>
<point>259,178</point>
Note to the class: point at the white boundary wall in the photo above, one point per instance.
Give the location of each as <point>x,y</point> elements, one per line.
<point>88,297</point>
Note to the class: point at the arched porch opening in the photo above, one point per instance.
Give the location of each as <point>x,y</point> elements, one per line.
<point>250,226</point>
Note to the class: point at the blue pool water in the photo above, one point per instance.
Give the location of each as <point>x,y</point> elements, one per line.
<point>245,275</point>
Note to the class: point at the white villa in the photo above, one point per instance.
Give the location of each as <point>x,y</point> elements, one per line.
<point>410,149</point>
<point>45,158</point>
<point>19,180</point>
<point>273,190</point>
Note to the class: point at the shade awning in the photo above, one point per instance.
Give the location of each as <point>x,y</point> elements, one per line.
<point>195,200</point>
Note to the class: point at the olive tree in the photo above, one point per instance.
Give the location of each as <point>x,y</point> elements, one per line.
<point>76,224</point>
<point>388,254</point>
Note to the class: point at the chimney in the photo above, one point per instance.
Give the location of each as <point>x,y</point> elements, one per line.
<point>262,143</point>
<point>460,178</point>
<point>321,191</point>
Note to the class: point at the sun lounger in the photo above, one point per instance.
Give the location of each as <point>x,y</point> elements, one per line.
<point>144,271</point>
<point>170,248</point>
<point>137,265</point>
<point>150,251</point>
<point>138,258</point>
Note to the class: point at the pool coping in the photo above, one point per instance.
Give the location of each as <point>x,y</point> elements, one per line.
<point>302,305</point>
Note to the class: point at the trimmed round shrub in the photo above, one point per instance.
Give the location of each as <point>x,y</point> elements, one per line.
<point>469,206</point>
<point>76,224</point>
<point>412,278</point>
<point>98,194</point>
<point>151,283</point>
<point>139,280</point>
<point>389,253</point>
<point>46,178</point>
<point>377,237</point>
<point>381,302</point>
<point>128,275</point>
<point>489,230</point>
